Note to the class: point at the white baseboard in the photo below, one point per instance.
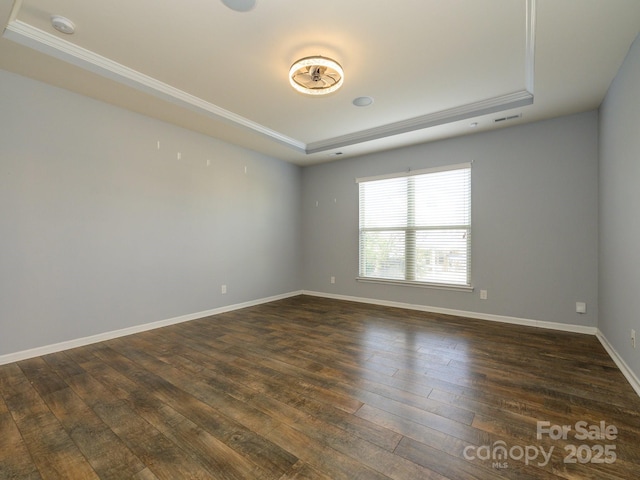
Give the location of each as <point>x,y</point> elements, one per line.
<point>462,313</point>
<point>101,337</point>
<point>621,364</point>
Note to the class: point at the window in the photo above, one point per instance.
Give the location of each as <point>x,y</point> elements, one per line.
<point>416,227</point>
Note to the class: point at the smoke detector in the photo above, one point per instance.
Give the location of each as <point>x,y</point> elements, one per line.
<point>62,24</point>
<point>240,5</point>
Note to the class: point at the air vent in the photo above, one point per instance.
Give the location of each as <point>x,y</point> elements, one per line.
<point>504,119</point>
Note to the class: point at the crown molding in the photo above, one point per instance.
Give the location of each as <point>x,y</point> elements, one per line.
<point>61,49</point>
<point>64,50</point>
<point>470,110</point>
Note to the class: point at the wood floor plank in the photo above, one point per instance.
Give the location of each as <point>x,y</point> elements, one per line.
<point>304,471</point>
<point>41,377</point>
<point>145,474</point>
<point>371,455</point>
<point>164,458</point>
<point>421,433</point>
<point>236,436</point>
<point>3,406</point>
<point>322,457</point>
<point>227,386</point>
<point>15,460</point>
<point>166,393</point>
<point>341,440</point>
<point>62,365</point>
<point>454,467</point>
<point>53,452</point>
<point>104,450</point>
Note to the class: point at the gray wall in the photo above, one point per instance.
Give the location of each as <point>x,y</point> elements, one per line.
<point>620,210</point>
<point>102,231</point>
<point>535,225</point>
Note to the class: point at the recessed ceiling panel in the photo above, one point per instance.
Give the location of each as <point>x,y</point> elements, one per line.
<point>414,57</point>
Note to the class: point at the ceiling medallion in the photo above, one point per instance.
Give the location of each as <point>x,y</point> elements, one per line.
<point>316,75</point>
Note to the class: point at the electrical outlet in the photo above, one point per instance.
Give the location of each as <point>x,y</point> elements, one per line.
<point>333,279</point>
<point>633,338</point>
<point>223,289</point>
<point>581,307</point>
<point>483,294</point>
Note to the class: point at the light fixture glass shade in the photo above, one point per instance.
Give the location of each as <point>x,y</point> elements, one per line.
<point>316,75</point>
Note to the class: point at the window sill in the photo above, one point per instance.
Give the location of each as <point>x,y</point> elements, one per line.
<point>437,286</point>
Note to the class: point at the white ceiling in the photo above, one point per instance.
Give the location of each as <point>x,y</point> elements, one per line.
<point>432,66</point>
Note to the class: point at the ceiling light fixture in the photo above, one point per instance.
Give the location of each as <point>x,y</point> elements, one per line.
<point>316,75</point>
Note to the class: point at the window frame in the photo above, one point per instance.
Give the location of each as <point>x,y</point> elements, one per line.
<point>410,232</point>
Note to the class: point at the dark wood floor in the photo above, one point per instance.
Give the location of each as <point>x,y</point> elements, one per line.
<point>312,388</point>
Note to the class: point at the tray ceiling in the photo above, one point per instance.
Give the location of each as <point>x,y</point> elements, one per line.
<point>433,68</point>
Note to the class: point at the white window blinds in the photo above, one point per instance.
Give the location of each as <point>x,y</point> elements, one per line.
<point>416,227</point>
